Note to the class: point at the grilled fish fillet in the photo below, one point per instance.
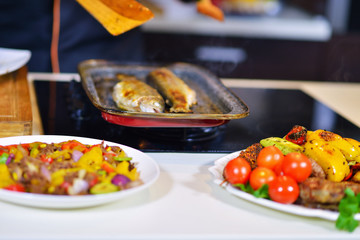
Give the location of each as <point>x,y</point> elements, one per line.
<point>176,92</point>
<point>131,94</point>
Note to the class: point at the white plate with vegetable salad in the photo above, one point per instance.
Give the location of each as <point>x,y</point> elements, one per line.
<point>217,172</point>
<point>71,172</point>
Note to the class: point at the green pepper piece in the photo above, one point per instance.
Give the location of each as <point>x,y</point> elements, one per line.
<point>122,158</point>
<point>3,158</point>
<point>103,187</point>
<point>101,172</point>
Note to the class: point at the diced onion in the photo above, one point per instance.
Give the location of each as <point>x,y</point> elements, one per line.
<point>45,172</point>
<point>120,180</point>
<point>78,186</point>
<point>76,155</point>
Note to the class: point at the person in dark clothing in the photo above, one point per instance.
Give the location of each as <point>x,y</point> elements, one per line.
<point>28,25</point>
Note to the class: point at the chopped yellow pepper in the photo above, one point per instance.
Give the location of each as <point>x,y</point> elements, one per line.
<point>123,168</point>
<point>18,155</point>
<point>5,176</point>
<point>91,160</point>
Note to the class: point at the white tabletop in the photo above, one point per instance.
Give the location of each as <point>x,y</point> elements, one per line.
<point>183,203</point>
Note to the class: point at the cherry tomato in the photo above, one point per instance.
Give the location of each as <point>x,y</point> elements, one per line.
<point>260,176</point>
<point>269,157</point>
<point>284,189</point>
<point>297,166</point>
<point>237,171</point>
<point>278,169</point>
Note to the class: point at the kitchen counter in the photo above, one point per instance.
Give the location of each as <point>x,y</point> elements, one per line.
<point>183,203</point>
<point>291,24</point>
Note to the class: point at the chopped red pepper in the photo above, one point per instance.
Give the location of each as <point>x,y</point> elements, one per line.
<point>297,135</point>
<point>94,180</point>
<point>10,146</point>
<point>70,145</point>
<point>96,145</point>
<point>65,185</point>
<point>75,145</point>
<point>15,187</point>
<point>352,168</point>
<point>349,175</point>
<point>112,154</point>
<point>107,167</point>
<point>355,166</point>
<point>46,159</point>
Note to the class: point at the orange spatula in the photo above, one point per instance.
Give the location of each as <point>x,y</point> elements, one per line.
<point>117,16</point>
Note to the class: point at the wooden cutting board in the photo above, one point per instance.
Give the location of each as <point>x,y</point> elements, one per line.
<point>15,104</point>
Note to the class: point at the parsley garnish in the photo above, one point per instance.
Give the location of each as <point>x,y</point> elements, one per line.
<point>262,192</point>
<point>348,207</point>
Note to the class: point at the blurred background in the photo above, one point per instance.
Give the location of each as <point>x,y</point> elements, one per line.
<point>314,40</point>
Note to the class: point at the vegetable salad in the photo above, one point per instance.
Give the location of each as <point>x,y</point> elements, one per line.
<point>66,168</point>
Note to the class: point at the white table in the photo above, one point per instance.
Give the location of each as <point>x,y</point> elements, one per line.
<point>183,203</point>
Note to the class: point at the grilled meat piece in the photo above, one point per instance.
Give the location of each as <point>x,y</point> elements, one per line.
<point>321,191</point>
<point>176,92</point>
<point>250,154</point>
<point>131,94</point>
<point>316,169</point>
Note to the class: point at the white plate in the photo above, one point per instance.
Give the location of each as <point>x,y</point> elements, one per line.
<point>148,168</point>
<point>13,59</point>
<point>217,171</point>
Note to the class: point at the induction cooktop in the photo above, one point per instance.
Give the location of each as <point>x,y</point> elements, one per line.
<point>66,110</point>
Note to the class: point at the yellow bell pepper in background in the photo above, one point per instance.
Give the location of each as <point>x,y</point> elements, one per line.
<point>356,177</point>
<point>347,149</point>
<point>331,159</point>
<point>354,143</point>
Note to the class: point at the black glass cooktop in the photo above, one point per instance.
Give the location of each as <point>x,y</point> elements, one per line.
<point>66,110</point>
